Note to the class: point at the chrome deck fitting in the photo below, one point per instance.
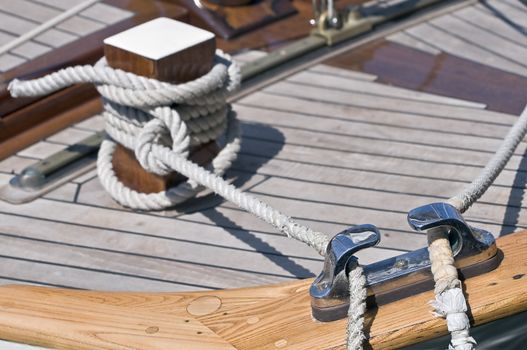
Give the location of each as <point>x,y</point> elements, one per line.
<point>395,278</point>
<point>53,171</point>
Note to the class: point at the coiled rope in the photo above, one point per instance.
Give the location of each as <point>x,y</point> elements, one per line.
<point>161,121</point>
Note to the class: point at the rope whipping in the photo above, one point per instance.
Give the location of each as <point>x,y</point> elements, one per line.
<point>450,302</point>
<point>160,122</point>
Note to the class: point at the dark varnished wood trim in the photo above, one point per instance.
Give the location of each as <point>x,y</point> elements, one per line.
<point>441,74</point>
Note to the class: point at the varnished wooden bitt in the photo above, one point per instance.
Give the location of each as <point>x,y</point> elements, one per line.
<point>165,50</point>
<point>266,317</point>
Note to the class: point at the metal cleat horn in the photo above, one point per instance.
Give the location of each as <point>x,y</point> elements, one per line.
<point>395,278</point>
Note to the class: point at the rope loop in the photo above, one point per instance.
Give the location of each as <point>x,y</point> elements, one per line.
<point>150,135</point>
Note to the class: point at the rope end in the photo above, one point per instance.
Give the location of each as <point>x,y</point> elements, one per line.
<point>12,88</point>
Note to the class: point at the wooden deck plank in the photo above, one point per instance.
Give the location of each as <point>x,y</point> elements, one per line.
<point>144,226</point>
<point>377,132</point>
<point>80,26</point>
<point>336,160</point>
<point>15,164</point>
<point>41,150</point>
<point>387,103</point>
<point>504,194</point>
<point>29,10</point>
<point>18,26</point>
<point>95,123</point>
<point>105,13</point>
<point>441,39</point>
<point>407,40</point>
<point>8,61</point>
<point>72,276</point>
<point>5,38</point>
<point>394,241</point>
<point>175,248</point>
<point>60,4</point>
<point>507,9</point>
<point>55,38</point>
<point>376,89</point>
<point>67,192</point>
<point>482,38</point>
<point>329,70</point>
<point>387,148</point>
<point>101,264</point>
<point>481,17</point>
<point>349,113</point>
<point>85,177</point>
<point>15,25</point>
<point>349,198</point>
<point>374,180</point>
<point>377,184</point>
<point>30,50</point>
<point>69,136</point>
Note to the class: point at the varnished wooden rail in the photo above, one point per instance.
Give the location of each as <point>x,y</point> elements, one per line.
<point>266,317</point>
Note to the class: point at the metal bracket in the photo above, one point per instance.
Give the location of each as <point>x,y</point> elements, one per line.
<point>47,174</point>
<point>391,279</point>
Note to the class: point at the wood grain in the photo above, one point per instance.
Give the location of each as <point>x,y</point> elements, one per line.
<point>266,317</point>
<point>232,21</point>
<point>66,114</point>
<point>180,66</point>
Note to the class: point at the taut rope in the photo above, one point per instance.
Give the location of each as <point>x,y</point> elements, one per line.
<point>450,301</point>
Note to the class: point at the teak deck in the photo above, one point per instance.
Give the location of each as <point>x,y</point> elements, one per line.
<point>268,317</point>
<point>329,145</point>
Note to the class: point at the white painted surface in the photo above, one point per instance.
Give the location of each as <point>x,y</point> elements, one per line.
<point>4,345</point>
<point>159,38</point>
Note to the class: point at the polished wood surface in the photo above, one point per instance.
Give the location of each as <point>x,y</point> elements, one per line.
<point>265,317</point>
<point>441,74</point>
<point>167,58</point>
<point>180,65</point>
<point>47,116</point>
<point>475,53</point>
<point>232,21</point>
<point>60,120</point>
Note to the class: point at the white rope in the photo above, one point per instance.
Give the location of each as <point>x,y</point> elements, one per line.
<point>357,308</point>
<point>450,302</point>
<point>477,188</point>
<point>160,122</point>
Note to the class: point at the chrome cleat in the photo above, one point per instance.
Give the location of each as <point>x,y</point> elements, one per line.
<point>395,278</point>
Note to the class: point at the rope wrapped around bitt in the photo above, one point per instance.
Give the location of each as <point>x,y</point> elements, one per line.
<point>140,112</point>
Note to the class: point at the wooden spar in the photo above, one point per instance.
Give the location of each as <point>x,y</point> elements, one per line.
<point>265,317</point>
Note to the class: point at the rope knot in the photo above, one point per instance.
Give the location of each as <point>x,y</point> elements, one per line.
<point>149,136</point>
